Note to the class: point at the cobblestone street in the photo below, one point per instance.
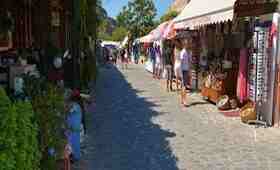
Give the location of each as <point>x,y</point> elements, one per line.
<point>137,125</point>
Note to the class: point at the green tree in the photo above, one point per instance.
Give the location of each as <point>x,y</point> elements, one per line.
<point>119,33</point>
<point>94,15</point>
<point>138,17</point>
<point>8,135</point>
<point>168,16</point>
<point>102,30</point>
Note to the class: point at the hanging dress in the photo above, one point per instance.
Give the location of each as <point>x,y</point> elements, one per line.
<point>74,124</point>
<point>242,76</point>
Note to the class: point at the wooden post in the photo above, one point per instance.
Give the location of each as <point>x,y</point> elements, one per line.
<point>76,42</point>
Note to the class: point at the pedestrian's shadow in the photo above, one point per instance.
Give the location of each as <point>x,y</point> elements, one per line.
<point>123,135</point>
<point>197,103</point>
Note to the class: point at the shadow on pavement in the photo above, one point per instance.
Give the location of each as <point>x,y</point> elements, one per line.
<point>122,134</point>
<point>197,103</point>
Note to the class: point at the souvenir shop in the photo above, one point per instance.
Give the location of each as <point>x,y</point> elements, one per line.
<point>34,36</point>
<point>257,24</point>
<point>215,49</point>
<point>25,38</point>
<point>236,58</point>
<point>218,61</point>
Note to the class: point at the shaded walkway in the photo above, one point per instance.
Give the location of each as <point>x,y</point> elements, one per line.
<point>122,135</point>
<point>137,125</point>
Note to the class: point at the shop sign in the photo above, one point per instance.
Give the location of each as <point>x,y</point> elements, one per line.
<point>243,8</point>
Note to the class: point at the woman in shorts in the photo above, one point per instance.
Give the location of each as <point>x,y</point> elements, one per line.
<point>177,65</point>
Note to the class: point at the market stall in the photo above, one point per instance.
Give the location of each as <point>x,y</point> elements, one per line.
<point>153,40</point>
<point>213,56</point>
<point>258,22</point>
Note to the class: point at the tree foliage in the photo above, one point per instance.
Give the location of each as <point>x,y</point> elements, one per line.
<point>48,104</point>
<point>138,17</point>
<point>92,14</point>
<point>169,16</point>
<point>7,133</point>
<point>102,30</point>
<point>49,108</point>
<point>119,33</point>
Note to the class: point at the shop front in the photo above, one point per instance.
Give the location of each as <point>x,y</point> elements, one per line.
<point>208,28</point>
<point>260,20</point>
<point>235,47</point>
<point>28,29</point>
<point>34,36</point>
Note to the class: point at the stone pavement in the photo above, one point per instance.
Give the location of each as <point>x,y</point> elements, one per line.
<point>138,126</point>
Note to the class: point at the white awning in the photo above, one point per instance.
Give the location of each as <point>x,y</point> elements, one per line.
<point>157,34</point>
<point>201,12</point>
<point>147,39</point>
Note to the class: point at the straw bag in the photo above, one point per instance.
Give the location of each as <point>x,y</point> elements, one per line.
<point>248,112</point>
<point>223,103</point>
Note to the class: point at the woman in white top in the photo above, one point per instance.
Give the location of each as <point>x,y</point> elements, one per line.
<point>185,65</point>
<point>185,56</point>
<point>177,65</point>
<point>126,54</point>
<point>158,63</point>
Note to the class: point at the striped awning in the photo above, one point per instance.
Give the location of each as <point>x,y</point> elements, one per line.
<point>199,12</point>
<point>170,31</point>
<point>156,34</point>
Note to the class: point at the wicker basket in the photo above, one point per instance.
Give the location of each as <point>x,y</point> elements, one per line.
<point>223,103</point>
<point>248,112</point>
<point>233,103</point>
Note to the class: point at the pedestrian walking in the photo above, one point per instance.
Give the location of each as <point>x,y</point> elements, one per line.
<point>185,57</point>
<point>152,55</point>
<point>168,55</point>
<point>158,62</point>
<point>135,53</point>
<point>123,58</point>
<point>177,65</point>
<point>126,59</point>
<point>114,56</point>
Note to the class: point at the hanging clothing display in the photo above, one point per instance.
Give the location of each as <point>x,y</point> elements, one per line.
<point>242,76</point>
<point>74,120</point>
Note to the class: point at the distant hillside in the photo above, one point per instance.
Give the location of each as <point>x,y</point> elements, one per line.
<point>108,25</point>
<point>112,24</point>
<point>178,5</point>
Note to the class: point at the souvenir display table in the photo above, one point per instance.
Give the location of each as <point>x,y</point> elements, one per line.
<point>218,84</point>
<point>213,88</point>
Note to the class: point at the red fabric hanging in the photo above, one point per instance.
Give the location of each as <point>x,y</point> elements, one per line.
<point>242,92</point>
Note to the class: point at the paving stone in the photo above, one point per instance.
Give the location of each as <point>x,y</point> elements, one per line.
<point>137,125</point>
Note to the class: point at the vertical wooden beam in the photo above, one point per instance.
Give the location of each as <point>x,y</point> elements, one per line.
<point>76,42</point>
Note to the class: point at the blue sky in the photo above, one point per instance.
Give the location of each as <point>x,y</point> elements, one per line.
<point>113,7</point>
